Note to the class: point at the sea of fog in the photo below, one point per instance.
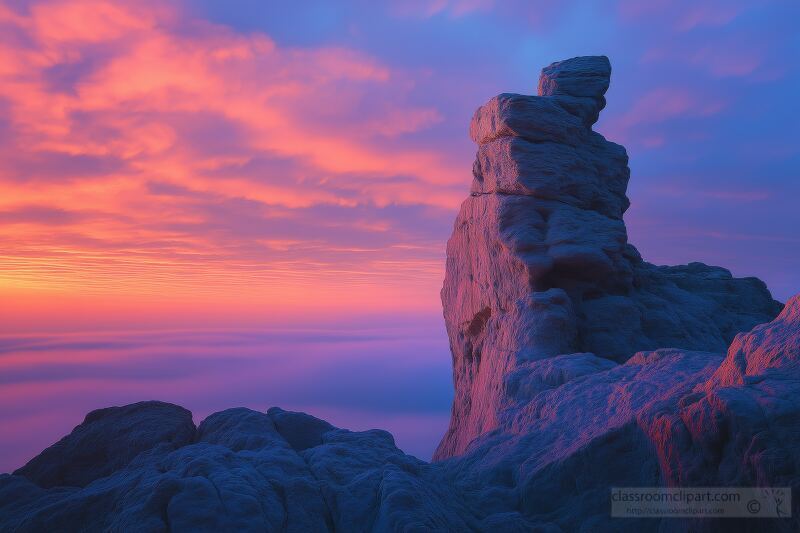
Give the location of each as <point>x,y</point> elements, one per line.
<point>393,378</point>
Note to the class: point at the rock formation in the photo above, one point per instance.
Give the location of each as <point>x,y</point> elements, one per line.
<point>577,367</point>
<point>240,470</point>
<point>539,264</point>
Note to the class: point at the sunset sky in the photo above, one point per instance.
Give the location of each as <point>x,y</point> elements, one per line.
<point>208,164</point>
<point>248,161</point>
<point>250,158</point>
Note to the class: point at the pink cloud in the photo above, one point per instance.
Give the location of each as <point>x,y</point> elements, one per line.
<point>720,59</point>
<point>429,8</point>
<point>714,14</point>
<point>657,106</point>
<point>727,195</point>
<point>683,16</point>
<point>725,61</point>
<point>88,21</point>
<point>155,96</point>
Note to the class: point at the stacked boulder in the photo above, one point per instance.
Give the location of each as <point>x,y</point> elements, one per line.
<point>538,264</point>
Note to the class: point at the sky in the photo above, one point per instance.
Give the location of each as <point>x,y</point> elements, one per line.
<point>257,161</point>
<point>201,164</point>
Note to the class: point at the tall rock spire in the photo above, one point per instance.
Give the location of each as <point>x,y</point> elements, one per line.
<point>539,264</point>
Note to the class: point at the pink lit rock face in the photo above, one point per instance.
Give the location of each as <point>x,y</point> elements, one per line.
<point>768,348</point>
<point>578,367</point>
<point>539,264</point>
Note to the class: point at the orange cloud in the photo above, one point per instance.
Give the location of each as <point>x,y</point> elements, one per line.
<point>153,153</point>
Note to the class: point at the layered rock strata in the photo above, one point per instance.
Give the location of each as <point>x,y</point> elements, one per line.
<point>538,264</point>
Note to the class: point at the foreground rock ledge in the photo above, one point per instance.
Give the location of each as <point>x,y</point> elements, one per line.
<point>578,367</point>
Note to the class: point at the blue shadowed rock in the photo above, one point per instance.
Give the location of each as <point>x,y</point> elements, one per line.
<point>578,85</point>
<point>109,439</point>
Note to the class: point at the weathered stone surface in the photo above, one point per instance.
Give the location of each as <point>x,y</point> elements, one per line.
<point>241,471</point>
<point>767,350</point>
<point>107,440</point>
<point>578,85</point>
<point>532,118</point>
<point>585,76</point>
<point>300,430</point>
<point>589,179</point>
<point>539,265</point>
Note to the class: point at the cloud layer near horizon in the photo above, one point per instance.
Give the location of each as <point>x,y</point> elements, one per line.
<point>317,156</point>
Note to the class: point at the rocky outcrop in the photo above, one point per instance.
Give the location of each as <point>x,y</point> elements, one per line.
<point>578,367</point>
<point>107,440</point>
<point>539,264</point>
<point>769,349</point>
<point>667,417</point>
<point>240,470</point>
